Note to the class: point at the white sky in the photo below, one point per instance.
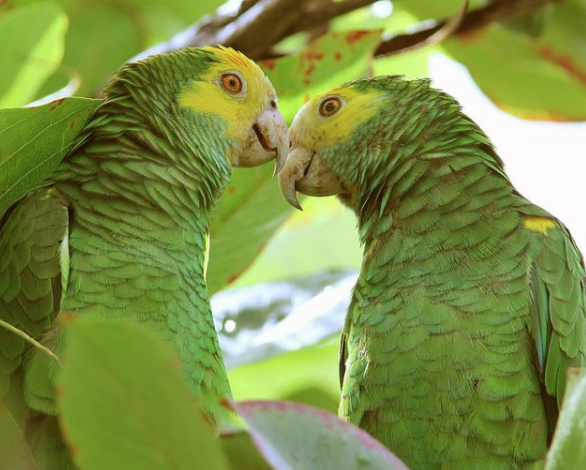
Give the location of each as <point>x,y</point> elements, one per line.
<point>546,161</point>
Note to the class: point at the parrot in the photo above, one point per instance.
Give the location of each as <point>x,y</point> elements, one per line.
<point>469,306</point>
<point>121,228</point>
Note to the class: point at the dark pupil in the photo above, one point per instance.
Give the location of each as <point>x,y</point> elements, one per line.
<point>233,83</point>
<point>330,107</point>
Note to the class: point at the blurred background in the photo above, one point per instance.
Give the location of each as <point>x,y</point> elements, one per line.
<point>282,280</point>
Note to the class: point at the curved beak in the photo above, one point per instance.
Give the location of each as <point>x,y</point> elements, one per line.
<point>305,172</point>
<point>293,171</point>
<point>267,140</point>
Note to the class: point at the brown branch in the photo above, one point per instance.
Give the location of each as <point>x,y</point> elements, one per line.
<point>259,24</point>
<point>263,25</point>
<point>319,13</point>
<point>474,20</point>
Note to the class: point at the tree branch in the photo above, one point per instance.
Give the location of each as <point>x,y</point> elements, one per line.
<point>259,24</point>
<point>474,20</point>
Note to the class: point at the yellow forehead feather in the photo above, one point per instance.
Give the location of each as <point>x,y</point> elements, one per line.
<point>311,129</point>
<point>228,55</point>
<point>204,96</point>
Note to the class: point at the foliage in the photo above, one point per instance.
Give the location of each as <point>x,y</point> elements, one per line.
<point>34,140</point>
<point>532,66</point>
<point>121,389</point>
<point>14,451</point>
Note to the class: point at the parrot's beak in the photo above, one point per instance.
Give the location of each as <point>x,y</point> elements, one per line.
<point>268,140</point>
<point>305,172</point>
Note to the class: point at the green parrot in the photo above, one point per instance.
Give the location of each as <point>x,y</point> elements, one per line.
<point>469,308</point>
<point>120,229</point>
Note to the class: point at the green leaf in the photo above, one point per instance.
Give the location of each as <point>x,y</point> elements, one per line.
<point>14,451</point>
<point>567,451</point>
<point>125,404</point>
<point>252,207</point>
<point>539,74</point>
<point>33,141</point>
<point>101,39</point>
<point>32,48</point>
<point>330,60</point>
<point>250,211</point>
<point>521,76</point>
<point>292,436</point>
<point>321,238</point>
<point>241,452</point>
<point>103,36</point>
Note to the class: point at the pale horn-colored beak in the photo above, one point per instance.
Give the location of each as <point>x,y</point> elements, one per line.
<point>293,171</point>
<point>268,140</point>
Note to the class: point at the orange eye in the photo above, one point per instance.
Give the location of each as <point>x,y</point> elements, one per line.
<point>231,83</point>
<point>330,107</point>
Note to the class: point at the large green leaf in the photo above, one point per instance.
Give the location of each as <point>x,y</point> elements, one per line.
<point>125,404</point>
<point>321,238</point>
<point>330,60</point>
<point>33,141</point>
<point>241,452</point>
<point>252,207</point>
<point>521,76</point>
<point>104,35</point>
<point>292,436</point>
<point>568,448</point>
<point>533,73</point>
<point>250,211</point>
<point>14,451</point>
<point>32,48</point>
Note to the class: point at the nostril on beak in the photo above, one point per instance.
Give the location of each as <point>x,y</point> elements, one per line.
<point>273,104</point>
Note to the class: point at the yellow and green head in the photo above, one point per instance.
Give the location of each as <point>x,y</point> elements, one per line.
<point>209,98</point>
<point>348,140</point>
<point>235,90</point>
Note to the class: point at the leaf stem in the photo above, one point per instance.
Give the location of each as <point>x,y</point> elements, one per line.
<point>29,339</point>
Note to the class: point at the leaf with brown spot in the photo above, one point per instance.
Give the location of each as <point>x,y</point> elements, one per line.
<point>33,141</point>
<point>295,436</point>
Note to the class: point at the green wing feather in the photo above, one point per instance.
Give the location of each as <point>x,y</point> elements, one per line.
<point>33,237</point>
<point>558,309</point>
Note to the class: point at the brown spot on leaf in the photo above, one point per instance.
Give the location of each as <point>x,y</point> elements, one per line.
<point>56,104</point>
<point>232,189</point>
<point>337,57</point>
<point>354,36</point>
<point>306,97</point>
<point>71,125</point>
<point>306,81</point>
<point>232,278</point>
<point>314,55</point>
<point>565,62</point>
<point>267,64</point>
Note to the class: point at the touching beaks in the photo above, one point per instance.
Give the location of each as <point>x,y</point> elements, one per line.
<point>292,171</point>
<point>267,140</point>
<point>305,171</point>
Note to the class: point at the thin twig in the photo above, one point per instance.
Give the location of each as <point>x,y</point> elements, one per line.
<point>29,339</point>
<point>474,20</point>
